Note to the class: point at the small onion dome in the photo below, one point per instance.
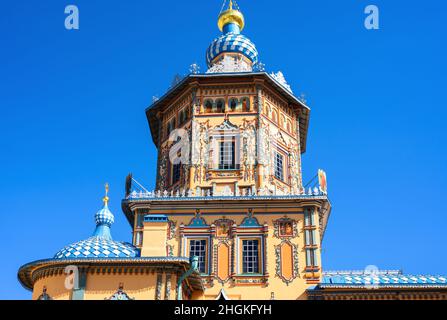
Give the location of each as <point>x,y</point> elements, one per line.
<point>101,244</point>
<point>104,216</point>
<point>231,22</point>
<point>232,42</point>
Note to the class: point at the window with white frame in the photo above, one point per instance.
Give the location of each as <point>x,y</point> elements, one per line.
<point>250,256</point>
<point>198,248</point>
<point>279,166</point>
<point>310,239</point>
<point>227,155</point>
<point>311,258</point>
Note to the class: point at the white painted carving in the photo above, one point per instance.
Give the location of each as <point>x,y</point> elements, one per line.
<point>229,65</point>
<point>279,77</point>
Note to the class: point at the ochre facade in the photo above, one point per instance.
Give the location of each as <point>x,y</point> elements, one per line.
<point>230,216</point>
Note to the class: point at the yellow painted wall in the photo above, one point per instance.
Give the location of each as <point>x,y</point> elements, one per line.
<point>140,287</point>
<point>55,287</point>
<point>154,239</point>
<point>295,290</point>
<point>103,286</point>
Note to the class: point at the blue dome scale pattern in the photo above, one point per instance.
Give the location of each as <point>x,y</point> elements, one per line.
<point>232,42</point>
<point>96,247</point>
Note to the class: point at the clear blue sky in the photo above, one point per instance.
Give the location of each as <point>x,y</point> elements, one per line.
<point>73,117</point>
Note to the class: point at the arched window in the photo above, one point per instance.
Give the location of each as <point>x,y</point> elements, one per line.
<point>233,104</point>
<point>268,112</point>
<point>289,126</point>
<point>182,117</point>
<point>245,104</point>
<point>220,106</point>
<point>170,126</point>
<point>275,116</point>
<point>169,129</point>
<point>209,106</point>
<point>282,121</point>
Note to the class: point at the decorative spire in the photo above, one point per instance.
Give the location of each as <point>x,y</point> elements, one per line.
<point>104,218</point>
<point>106,198</point>
<point>231,20</point>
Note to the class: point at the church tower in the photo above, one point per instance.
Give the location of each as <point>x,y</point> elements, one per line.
<point>229,184</point>
<point>230,216</point>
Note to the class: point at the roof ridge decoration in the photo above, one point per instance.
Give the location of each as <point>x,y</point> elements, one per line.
<point>390,278</point>
<point>279,77</point>
<point>363,272</point>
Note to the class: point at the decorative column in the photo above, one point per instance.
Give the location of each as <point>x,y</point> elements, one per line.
<point>191,165</point>
<point>258,165</point>
<point>79,285</point>
<point>298,159</point>
<point>168,286</point>
<point>159,286</point>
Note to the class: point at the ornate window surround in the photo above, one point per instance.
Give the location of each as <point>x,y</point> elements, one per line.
<point>223,242</point>
<point>277,228</point>
<point>295,262</point>
<point>238,252</point>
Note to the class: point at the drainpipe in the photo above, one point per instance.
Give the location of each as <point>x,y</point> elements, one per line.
<point>194,261</point>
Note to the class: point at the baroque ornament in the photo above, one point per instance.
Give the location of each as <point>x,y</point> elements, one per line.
<point>223,228</point>
<point>279,261</point>
<point>120,295</point>
<point>171,229</point>
<point>248,150</point>
<point>285,228</point>
<point>228,243</point>
<point>229,65</point>
<point>200,149</point>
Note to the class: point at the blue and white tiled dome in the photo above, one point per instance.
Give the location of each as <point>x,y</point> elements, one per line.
<point>101,244</point>
<point>96,247</point>
<point>232,42</point>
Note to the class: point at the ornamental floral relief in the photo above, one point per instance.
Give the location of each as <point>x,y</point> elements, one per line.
<point>222,261</point>
<point>163,170</point>
<point>223,228</point>
<point>170,250</point>
<point>294,168</point>
<point>287,267</point>
<point>172,228</point>
<point>265,158</point>
<point>200,149</point>
<point>248,151</point>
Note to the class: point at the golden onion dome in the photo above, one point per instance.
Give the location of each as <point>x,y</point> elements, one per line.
<point>231,16</point>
